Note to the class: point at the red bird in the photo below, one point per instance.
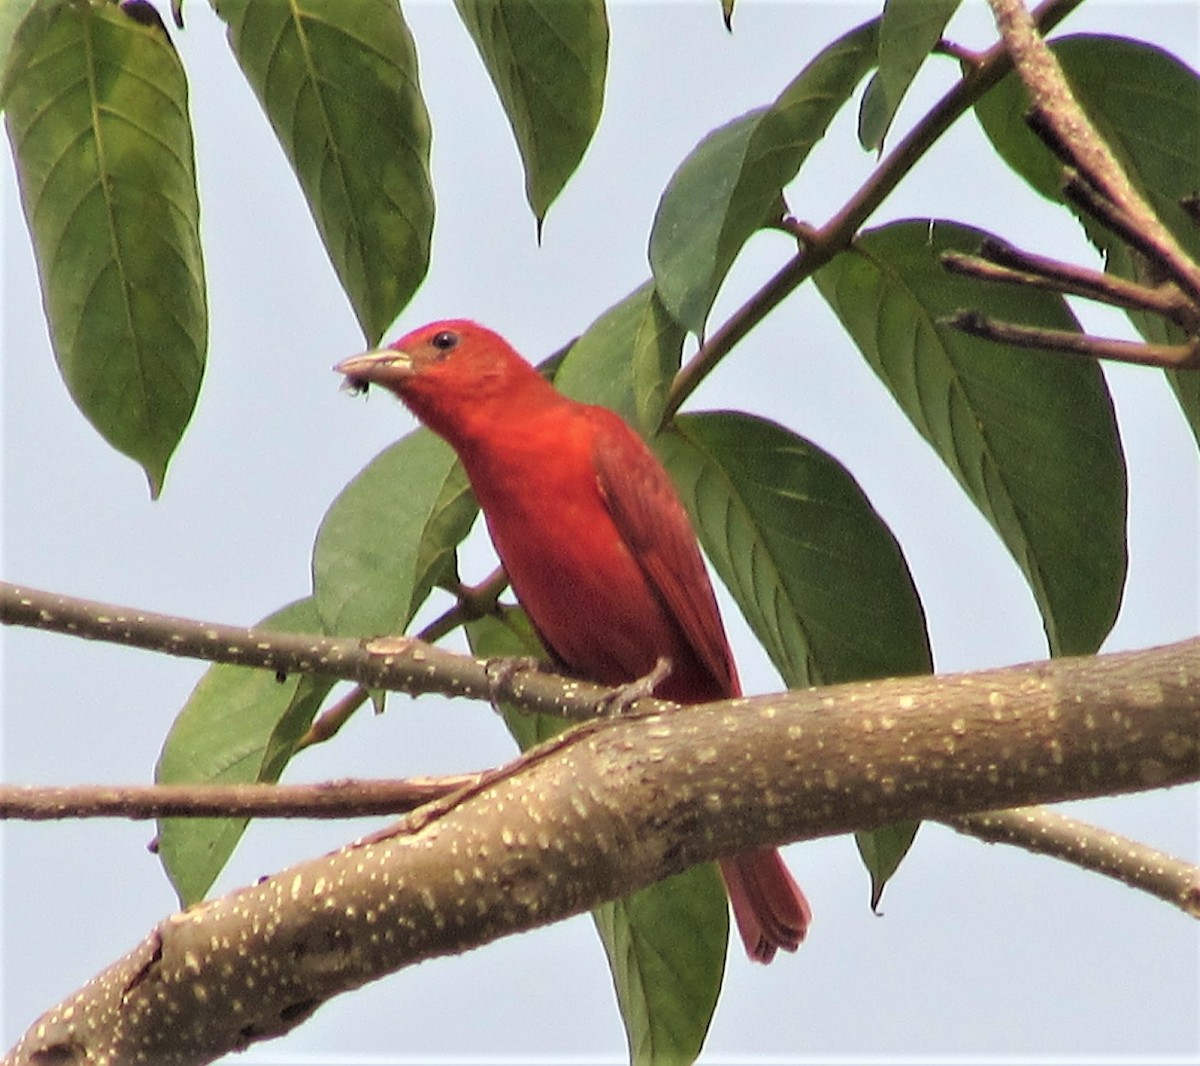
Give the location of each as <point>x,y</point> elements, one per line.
<point>597,546</point>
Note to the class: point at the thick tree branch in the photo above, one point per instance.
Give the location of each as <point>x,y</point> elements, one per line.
<point>615,805</point>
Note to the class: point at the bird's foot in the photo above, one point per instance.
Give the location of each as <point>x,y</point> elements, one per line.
<point>621,698</point>
<point>500,672</point>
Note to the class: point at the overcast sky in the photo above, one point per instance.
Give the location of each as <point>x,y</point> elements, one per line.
<point>982,951</point>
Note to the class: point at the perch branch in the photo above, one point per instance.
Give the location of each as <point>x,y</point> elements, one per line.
<point>614,805</point>
<point>401,664</point>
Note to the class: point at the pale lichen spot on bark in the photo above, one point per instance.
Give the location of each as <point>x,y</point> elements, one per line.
<point>769,712</point>
<point>907,703</point>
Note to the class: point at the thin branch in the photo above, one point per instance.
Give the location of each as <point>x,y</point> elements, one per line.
<point>401,664</point>
<point>1003,263</point>
<point>1050,833</point>
<point>835,236</point>
<point>1165,356</point>
<point>1059,112</point>
<point>329,722</point>
<point>330,799</point>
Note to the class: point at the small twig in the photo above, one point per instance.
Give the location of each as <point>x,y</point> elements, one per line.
<point>330,799</point>
<point>330,721</point>
<point>1050,833</point>
<point>968,56</point>
<point>1071,135</point>
<point>1002,263</point>
<point>1166,356</point>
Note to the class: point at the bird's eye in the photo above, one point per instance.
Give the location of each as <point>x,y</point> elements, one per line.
<point>444,341</point>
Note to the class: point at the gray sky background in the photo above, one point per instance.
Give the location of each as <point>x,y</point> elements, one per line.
<point>981,952</point>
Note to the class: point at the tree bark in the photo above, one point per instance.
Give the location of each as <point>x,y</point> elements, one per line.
<point>613,806</point>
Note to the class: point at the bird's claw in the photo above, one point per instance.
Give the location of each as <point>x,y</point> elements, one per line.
<point>500,671</point>
<point>621,698</point>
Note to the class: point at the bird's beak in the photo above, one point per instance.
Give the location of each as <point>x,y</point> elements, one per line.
<point>382,366</point>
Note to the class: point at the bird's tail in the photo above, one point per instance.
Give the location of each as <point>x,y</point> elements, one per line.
<point>768,906</point>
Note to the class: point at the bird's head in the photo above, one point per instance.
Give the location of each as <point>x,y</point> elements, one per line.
<point>446,370</point>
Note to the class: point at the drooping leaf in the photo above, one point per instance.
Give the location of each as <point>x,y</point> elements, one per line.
<point>1032,438</point>
<point>818,575</point>
<point>882,851</point>
<point>626,360</point>
<point>666,944</point>
<point>1145,103</point>
<point>908,31</point>
<point>666,948</point>
<point>547,61</point>
<point>97,112</point>
<point>240,725</point>
<point>339,84</point>
<point>730,185</point>
<point>815,570</point>
<point>1186,386</point>
<point>390,536</point>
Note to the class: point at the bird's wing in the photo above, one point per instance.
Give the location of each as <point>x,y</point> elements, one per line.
<point>654,525</point>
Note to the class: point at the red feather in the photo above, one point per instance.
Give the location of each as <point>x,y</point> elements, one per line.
<point>596,544</point>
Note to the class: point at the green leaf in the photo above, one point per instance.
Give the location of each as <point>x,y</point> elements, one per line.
<point>666,944</point>
<point>818,575</point>
<point>626,360</point>
<point>882,851</point>
<point>1186,386</point>
<point>907,33</point>
<point>97,112</point>
<point>16,41</point>
<point>390,536</point>
<point>730,185</point>
<point>1031,438</point>
<point>1145,103</point>
<point>239,726</point>
<point>339,84</point>
<point>547,61</point>
<point>666,948</point>
<point>814,569</point>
